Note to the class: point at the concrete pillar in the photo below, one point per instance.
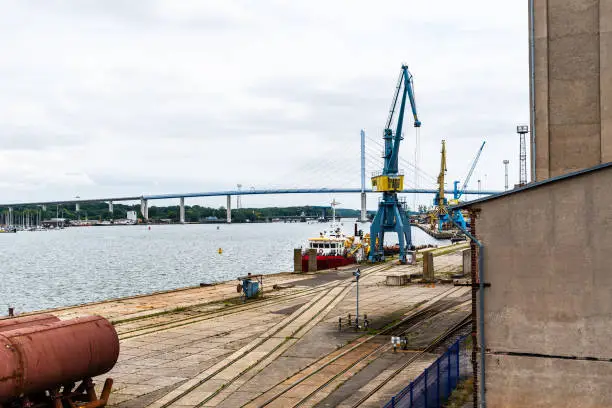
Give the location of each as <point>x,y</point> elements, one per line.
<point>44,207</point>
<point>144,209</point>
<point>297,260</point>
<point>10,216</point>
<point>312,260</point>
<point>110,207</point>
<point>182,210</point>
<point>77,207</point>
<point>467,262</point>
<point>428,266</point>
<point>364,211</point>
<point>571,84</point>
<point>229,209</point>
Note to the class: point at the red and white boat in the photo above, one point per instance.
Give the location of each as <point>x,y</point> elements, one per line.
<point>333,248</point>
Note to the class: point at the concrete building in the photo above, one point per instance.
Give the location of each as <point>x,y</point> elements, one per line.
<point>548,310</point>
<point>571,85</point>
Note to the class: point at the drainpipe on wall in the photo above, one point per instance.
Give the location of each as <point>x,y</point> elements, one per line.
<point>532,87</point>
<point>482,403</point>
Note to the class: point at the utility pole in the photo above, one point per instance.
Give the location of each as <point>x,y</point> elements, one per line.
<point>478,188</point>
<point>522,130</point>
<point>506,173</point>
<point>238,196</point>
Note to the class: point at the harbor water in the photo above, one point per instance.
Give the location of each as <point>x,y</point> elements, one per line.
<point>47,269</point>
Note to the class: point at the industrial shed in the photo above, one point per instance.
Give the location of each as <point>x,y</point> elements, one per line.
<point>547,261</point>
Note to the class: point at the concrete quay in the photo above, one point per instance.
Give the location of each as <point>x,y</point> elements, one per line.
<point>202,347</point>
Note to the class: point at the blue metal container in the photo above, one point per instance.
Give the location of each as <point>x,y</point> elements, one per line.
<point>250,288</point>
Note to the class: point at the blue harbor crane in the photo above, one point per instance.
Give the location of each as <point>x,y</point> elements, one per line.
<point>391,215</point>
<point>457,193</point>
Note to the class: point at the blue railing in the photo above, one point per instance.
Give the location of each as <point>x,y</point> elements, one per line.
<point>437,382</point>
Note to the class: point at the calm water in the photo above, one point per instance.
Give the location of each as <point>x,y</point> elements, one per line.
<point>40,270</point>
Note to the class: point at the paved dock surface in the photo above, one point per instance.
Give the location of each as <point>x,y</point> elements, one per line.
<point>203,347</point>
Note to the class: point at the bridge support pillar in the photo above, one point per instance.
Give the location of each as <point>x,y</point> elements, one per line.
<point>144,209</point>
<point>44,207</point>
<point>77,207</point>
<point>229,209</point>
<point>364,211</point>
<point>10,216</point>
<point>110,207</point>
<point>182,210</point>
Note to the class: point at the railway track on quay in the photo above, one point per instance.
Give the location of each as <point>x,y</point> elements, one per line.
<point>315,382</point>
<point>437,342</point>
<point>262,350</point>
<point>173,322</point>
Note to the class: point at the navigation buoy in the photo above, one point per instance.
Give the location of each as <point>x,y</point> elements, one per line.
<point>220,251</point>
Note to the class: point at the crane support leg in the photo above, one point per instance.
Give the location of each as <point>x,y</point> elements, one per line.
<point>399,225</point>
<point>390,217</point>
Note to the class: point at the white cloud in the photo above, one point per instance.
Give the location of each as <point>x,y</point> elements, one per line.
<point>163,96</point>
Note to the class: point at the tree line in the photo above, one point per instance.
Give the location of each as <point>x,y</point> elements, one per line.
<point>194,213</point>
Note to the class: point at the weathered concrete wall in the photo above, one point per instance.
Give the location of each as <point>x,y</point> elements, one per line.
<point>547,256</point>
<point>428,266</point>
<point>312,260</point>
<point>573,85</point>
<point>467,261</point>
<point>297,260</point>
<point>515,381</point>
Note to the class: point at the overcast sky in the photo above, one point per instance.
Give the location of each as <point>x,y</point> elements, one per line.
<point>114,98</point>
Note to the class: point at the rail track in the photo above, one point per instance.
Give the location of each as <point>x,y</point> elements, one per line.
<point>439,340</point>
<point>225,311</point>
<point>212,314</point>
<point>355,357</point>
<point>275,341</point>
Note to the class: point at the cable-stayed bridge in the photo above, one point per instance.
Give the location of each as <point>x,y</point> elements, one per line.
<point>307,179</point>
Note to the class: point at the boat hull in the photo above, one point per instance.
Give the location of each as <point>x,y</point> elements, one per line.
<point>328,261</point>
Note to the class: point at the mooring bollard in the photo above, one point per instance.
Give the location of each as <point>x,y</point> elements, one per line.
<point>11,311</point>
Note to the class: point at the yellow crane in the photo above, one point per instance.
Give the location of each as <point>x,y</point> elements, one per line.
<point>440,212</point>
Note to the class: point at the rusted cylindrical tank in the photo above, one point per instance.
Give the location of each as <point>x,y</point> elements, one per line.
<point>37,358</point>
<point>26,321</point>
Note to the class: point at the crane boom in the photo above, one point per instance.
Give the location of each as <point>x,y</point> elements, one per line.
<point>459,193</point>
<point>392,147</point>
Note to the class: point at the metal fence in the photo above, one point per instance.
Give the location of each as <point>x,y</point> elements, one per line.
<point>433,387</point>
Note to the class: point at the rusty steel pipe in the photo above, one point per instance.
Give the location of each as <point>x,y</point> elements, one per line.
<point>39,358</point>
<point>26,321</point>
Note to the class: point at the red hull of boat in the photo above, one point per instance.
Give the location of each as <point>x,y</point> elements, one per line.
<point>328,262</point>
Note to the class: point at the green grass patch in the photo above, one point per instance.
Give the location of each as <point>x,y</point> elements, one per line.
<point>461,395</point>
